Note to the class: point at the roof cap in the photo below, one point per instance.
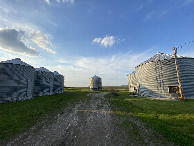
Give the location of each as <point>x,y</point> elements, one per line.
<point>42,69</point>
<point>56,73</point>
<point>95,76</point>
<point>162,56</point>
<point>16,61</point>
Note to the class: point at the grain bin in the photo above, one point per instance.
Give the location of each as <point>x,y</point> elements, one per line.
<point>58,84</point>
<point>132,83</point>
<point>157,77</point>
<point>16,80</point>
<point>43,83</point>
<point>95,83</point>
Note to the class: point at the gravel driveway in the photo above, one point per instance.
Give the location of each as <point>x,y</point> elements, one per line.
<point>89,122</point>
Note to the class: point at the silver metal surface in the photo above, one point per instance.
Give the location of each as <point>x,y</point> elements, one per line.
<point>154,78</point>
<point>16,82</point>
<point>95,83</point>
<point>43,84</point>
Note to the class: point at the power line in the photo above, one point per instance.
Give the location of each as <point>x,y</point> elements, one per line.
<point>181,46</point>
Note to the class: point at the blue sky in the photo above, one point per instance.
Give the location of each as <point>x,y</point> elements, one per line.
<point>82,38</point>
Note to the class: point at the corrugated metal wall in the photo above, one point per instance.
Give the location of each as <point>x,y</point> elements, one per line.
<point>16,82</point>
<point>43,84</point>
<point>153,78</point>
<point>132,83</point>
<point>95,84</point>
<point>186,67</point>
<point>58,84</point>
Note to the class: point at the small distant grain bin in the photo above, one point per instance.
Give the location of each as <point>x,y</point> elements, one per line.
<point>58,84</point>
<point>43,83</point>
<point>132,83</point>
<point>157,77</point>
<point>95,83</point>
<point>16,80</point>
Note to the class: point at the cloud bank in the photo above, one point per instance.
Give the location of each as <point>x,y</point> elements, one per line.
<point>113,69</point>
<point>11,40</point>
<point>20,41</point>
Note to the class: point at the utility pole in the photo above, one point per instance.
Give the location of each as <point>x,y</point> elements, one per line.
<point>178,75</point>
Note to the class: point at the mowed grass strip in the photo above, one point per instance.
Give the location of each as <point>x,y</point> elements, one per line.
<point>172,119</point>
<point>18,116</point>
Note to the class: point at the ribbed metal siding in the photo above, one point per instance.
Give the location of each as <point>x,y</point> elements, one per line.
<point>43,84</point>
<point>16,82</point>
<point>95,84</point>
<point>153,78</point>
<point>58,84</point>
<point>132,83</point>
<point>186,67</point>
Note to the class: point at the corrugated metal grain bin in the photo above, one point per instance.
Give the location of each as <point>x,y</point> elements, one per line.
<point>157,77</point>
<point>16,80</point>
<point>95,83</point>
<point>132,82</point>
<point>58,84</point>
<point>43,83</point>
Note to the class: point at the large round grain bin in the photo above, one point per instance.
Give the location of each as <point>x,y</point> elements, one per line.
<point>43,83</point>
<point>16,80</point>
<point>58,84</point>
<point>95,83</point>
<point>157,77</point>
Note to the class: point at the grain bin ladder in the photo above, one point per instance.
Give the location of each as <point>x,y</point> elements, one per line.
<point>178,75</point>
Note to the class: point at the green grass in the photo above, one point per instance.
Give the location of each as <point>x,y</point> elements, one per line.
<point>172,119</point>
<point>78,89</point>
<point>18,116</point>
<point>117,88</point>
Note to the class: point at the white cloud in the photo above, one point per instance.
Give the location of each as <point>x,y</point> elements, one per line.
<point>42,41</point>
<point>47,1</point>
<point>33,34</point>
<point>107,41</point>
<point>156,14</point>
<point>97,40</point>
<point>11,40</point>
<point>188,2</point>
<point>68,1</point>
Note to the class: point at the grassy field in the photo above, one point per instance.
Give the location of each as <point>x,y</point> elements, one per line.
<point>18,116</point>
<point>172,119</point>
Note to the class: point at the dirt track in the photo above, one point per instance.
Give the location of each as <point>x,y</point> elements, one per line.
<point>88,123</point>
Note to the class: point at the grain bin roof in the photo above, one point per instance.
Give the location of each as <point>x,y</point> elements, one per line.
<point>16,61</point>
<point>42,69</point>
<point>162,56</point>
<point>95,76</point>
<point>56,73</point>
